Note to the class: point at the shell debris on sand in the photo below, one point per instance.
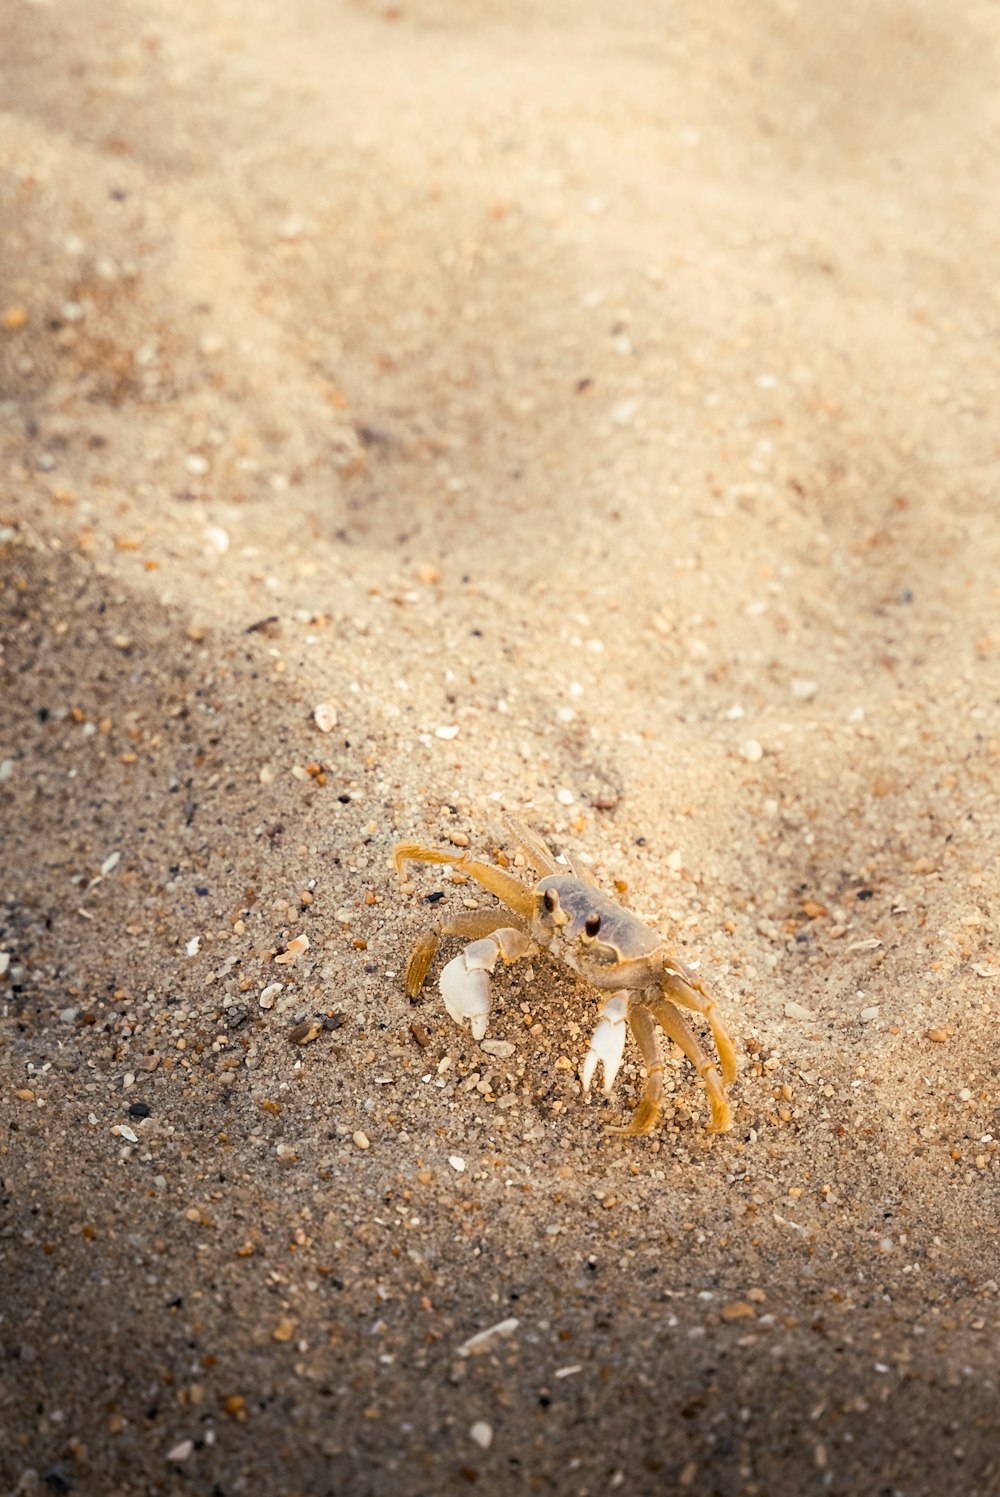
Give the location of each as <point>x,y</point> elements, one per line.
<point>293,951</point>
<point>481,1340</point>
<point>325,716</point>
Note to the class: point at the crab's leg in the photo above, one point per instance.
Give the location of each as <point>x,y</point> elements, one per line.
<point>510,891</point>
<point>540,856</point>
<point>674,1025</point>
<point>643,1028</point>
<point>685,987</point>
<point>536,849</point>
<point>472,925</point>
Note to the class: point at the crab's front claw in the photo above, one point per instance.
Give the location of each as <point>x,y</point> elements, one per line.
<point>607,1045</point>
<point>466,995</point>
<point>465,983</point>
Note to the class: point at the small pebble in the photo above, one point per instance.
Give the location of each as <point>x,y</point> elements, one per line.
<point>625,412</point>
<point>181,1452</point>
<point>481,1434</point>
<point>752,751</point>
<point>502,1049</point>
<point>139,1110</point>
<point>304,1034</point>
<point>218,539</point>
<point>361,1140</point>
<point>270,993</point>
<point>798,1011</point>
<point>325,716</point>
<point>457,1162</point>
<point>738,1310</point>
<point>448,731</point>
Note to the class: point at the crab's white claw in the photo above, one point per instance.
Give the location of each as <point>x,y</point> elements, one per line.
<point>467,994</point>
<point>481,956</point>
<point>607,1045</point>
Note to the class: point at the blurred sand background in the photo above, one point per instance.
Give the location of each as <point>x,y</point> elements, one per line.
<point>595,406</point>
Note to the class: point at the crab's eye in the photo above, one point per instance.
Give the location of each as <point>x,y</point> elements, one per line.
<point>549,900</point>
<point>592,925</point>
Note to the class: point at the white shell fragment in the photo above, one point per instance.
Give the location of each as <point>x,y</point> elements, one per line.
<point>217,539</point>
<point>269,994</point>
<point>111,862</point>
<point>608,1044</point>
<point>325,716</point>
<point>481,1434</point>
<point>447,731</point>
<point>192,946</point>
<point>481,1340</point>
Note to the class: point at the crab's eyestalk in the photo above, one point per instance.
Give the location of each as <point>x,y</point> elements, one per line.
<point>550,910</point>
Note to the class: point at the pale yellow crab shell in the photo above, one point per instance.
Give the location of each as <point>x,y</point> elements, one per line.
<point>623,953</point>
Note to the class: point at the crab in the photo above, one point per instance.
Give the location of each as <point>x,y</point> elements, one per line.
<point>565,914</point>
